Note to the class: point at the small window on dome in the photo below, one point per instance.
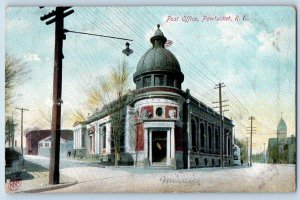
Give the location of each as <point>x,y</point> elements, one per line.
<point>139,83</point>
<point>171,81</point>
<point>147,81</point>
<point>159,80</point>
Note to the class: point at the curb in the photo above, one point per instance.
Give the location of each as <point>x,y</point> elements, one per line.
<point>51,187</point>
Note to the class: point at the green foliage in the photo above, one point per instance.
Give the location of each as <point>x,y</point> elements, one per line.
<point>10,126</point>
<point>242,144</point>
<point>273,154</point>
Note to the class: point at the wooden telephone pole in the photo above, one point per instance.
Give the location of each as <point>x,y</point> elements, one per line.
<point>58,17</point>
<point>221,106</point>
<point>22,151</point>
<point>252,130</point>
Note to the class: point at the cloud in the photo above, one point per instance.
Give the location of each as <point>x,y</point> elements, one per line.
<point>281,41</point>
<point>31,57</point>
<point>233,33</point>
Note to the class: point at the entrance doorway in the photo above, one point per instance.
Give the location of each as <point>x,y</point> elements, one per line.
<point>159,146</point>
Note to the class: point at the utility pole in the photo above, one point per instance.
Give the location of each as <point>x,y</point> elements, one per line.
<point>13,130</point>
<point>252,130</point>
<point>22,111</point>
<point>264,152</point>
<point>58,17</point>
<point>219,86</point>
<point>247,150</point>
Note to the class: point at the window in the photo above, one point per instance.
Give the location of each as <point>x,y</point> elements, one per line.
<point>210,135</point>
<point>46,144</point>
<point>91,143</point>
<point>217,139</point>
<point>147,81</point>
<point>202,134</point>
<point>159,80</point>
<point>170,81</point>
<point>159,111</point>
<point>83,139</point>
<point>139,83</point>
<point>104,137</point>
<point>40,144</point>
<point>194,138</point>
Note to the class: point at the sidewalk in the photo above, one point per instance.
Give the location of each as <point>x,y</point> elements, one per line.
<point>34,179</point>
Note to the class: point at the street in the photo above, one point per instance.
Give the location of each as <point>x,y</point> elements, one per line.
<point>93,178</point>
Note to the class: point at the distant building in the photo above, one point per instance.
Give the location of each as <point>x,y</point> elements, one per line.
<point>237,154</point>
<point>33,137</point>
<point>282,149</point>
<point>44,147</point>
<point>163,125</point>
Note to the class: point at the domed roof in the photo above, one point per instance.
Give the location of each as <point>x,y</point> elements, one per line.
<point>281,126</point>
<point>157,58</point>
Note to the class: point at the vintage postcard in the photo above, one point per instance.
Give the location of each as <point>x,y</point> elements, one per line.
<point>150,99</point>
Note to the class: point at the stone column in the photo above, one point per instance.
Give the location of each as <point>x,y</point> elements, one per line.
<point>150,146</point>
<point>168,148</point>
<point>146,143</point>
<point>206,137</point>
<point>79,136</point>
<point>172,143</point>
<point>75,139</point>
<point>96,139</point>
<point>146,148</point>
<point>108,138</point>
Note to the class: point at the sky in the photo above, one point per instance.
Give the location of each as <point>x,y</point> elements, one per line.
<point>252,53</point>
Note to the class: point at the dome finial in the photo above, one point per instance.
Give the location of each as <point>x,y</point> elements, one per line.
<point>158,26</point>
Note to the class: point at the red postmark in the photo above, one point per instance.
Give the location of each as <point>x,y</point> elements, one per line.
<point>14,184</point>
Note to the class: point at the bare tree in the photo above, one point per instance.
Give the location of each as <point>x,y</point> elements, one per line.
<point>111,95</point>
<point>46,118</point>
<point>15,74</point>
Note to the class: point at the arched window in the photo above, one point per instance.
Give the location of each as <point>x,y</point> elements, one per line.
<point>104,137</point>
<point>228,145</point>
<point>217,139</point>
<point>194,138</point>
<point>82,139</point>
<point>147,81</point>
<point>202,134</point>
<point>210,139</point>
<point>91,143</point>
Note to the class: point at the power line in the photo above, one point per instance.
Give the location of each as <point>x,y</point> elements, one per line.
<point>106,36</point>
